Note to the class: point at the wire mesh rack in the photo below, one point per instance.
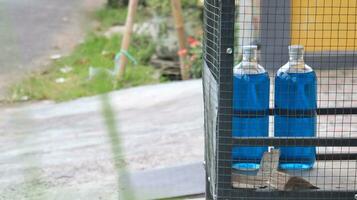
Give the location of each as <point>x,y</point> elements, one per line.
<point>249,150</point>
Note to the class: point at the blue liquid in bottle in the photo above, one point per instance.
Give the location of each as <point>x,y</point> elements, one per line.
<point>296,104</point>
<point>251,109</point>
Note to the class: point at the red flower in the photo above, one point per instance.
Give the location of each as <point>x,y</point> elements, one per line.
<point>193,42</point>
<point>182,52</point>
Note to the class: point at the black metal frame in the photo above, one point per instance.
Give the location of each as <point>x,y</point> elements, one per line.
<point>225,141</point>
<point>224,135</point>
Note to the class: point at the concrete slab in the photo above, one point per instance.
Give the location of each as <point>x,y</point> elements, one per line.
<point>63,151</point>
<point>185,180</point>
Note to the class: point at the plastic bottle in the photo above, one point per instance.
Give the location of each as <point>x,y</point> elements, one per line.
<point>251,108</point>
<point>295,105</point>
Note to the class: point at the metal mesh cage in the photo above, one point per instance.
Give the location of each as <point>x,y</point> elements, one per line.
<point>294,137</point>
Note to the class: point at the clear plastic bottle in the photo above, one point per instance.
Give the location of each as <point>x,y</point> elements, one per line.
<point>251,86</point>
<point>296,104</point>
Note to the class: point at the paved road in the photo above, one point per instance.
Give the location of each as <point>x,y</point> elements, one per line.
<point>32,30</point>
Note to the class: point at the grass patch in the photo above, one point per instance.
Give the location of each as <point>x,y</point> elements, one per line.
<point>96,51</point>
<point>111,17</point>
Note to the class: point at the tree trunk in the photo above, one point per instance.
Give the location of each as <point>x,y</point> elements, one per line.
<point>127,36</point>
<point>181,35</point>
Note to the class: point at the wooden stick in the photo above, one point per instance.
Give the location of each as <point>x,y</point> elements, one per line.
<point>180,28</point>
<point>133,4</point>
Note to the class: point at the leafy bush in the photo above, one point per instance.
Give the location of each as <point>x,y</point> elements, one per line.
<point>111,17</point>
<point>194,55</point>
<point>117,3</point>
<point>163,7</point>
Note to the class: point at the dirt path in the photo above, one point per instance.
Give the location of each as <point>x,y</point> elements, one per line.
<point>32,31</point>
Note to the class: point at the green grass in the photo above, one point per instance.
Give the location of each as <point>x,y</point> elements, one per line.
<point>96,51</point>
<point>111,17</point>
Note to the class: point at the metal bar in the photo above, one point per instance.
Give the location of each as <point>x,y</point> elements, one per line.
<point>293,195</point>
<point>295,141</point>
<point>328,111</point>
<point>226,62</point>
<point>337,156</point>
<point>337,111</point>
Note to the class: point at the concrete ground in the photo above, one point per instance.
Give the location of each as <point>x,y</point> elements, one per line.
<point>33,30</point>
<point>63,151</point>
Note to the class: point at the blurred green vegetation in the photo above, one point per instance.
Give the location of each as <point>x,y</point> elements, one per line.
<point>163,7</point>
<point>111,17</point>
<point>117,3</point>
<point>99,52</point>
<point>96,51</point>
<point>117,149</point>
<point>116,16</point>
<point>195,54</point>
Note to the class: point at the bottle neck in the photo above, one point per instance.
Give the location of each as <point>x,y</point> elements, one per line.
<point>249,66</point>
<point>249,63</point>
<point>251,60</point>
<point>296,62</point>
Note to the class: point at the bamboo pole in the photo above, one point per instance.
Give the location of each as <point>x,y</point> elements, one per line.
<point>133,4</point>
<point>179,22</point>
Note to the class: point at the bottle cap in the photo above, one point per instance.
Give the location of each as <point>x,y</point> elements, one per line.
<point>250,51</point>
<point>296,51</point>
